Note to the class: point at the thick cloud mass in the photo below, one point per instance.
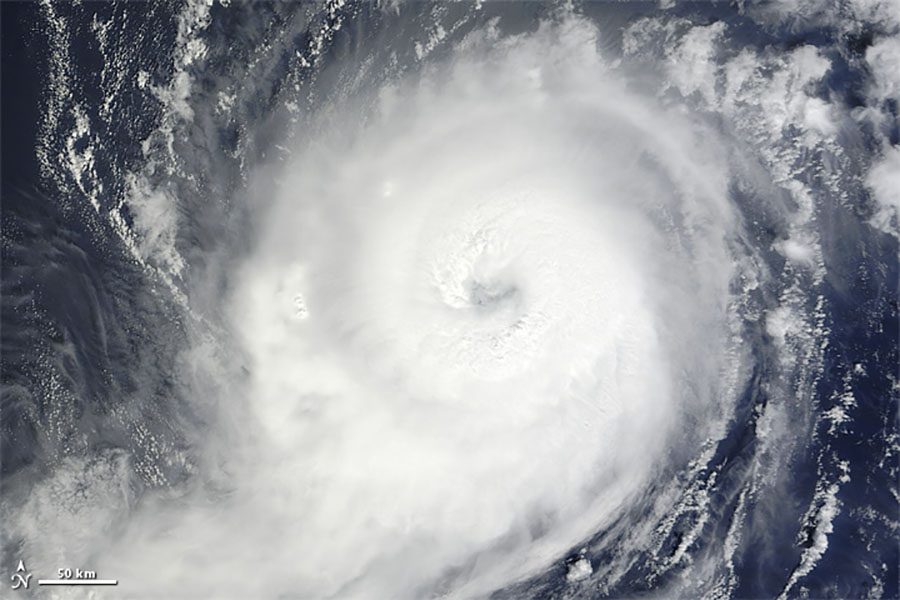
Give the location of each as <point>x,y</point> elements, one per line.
<point>470,317</point>
<point>456,300</point>
<point>466,334</point>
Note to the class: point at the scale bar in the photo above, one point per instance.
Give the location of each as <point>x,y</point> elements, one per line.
<point>78,582</point>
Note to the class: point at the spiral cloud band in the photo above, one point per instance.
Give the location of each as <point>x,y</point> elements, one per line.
<point>491,284</point>
<point>389,301</point>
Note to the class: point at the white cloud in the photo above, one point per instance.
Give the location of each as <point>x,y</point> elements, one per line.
<point>693,65</point>
<point>579,570</point>
<point>883,59</point>
<point>884,181</point>
<point>511,255</point>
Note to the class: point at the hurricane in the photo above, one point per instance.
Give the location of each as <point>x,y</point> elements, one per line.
<point>391,300</point>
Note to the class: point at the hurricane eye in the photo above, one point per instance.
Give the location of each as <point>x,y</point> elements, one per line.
<point>492,295</point>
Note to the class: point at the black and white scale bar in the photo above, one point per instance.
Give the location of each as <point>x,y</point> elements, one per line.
<point>78,582</point>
